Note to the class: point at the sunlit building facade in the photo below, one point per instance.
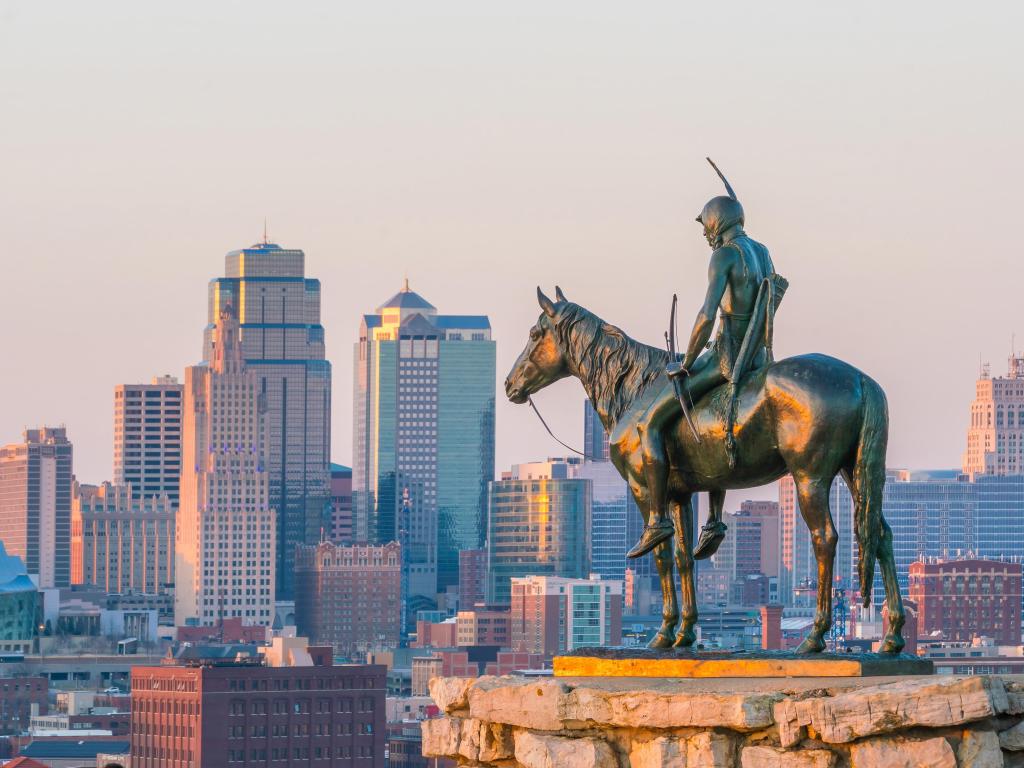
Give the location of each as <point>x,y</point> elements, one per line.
<point>995,437</point>
<point>147,438</point>
<point>551,615</point>
<point>539,524</point>
<point>282,344</point>
<point>423,438</point>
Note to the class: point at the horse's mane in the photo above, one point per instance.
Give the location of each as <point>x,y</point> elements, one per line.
<point>613,368</point>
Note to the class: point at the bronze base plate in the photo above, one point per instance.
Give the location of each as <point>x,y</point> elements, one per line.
<point>650,662</point>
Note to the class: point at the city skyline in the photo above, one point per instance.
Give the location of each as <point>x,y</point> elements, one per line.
<point>432,152</point>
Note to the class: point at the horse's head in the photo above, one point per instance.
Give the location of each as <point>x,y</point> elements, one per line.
<point>542,362</point>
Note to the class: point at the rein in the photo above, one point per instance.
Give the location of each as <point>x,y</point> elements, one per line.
<point>564,445</point>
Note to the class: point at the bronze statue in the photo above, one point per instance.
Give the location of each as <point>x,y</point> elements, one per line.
<point>812,416</point>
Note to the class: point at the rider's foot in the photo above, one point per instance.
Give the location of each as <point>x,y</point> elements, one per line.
<point>652,536</point>
<point>711,535</point>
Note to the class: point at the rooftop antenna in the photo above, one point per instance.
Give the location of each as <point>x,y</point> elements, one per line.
<point>405,285</point>
<point>265,240</point>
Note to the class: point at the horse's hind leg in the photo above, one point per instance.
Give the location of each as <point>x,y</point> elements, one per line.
<point>812,493</point>
<point>682,517</point>
<point>893,641</point>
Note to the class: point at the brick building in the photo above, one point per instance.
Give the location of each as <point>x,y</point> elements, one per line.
<point>17,695</point>
<point>289,707</point>
<point>472,577</point>
<point>483,627</point>
<point>964,598</point>
<point>551,615</point>
<point>349,597</point>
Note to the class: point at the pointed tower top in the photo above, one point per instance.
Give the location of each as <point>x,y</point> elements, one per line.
<point>266,241</point>
<point>405,285</point>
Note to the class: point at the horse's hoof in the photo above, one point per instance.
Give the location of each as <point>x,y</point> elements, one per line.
<point>811,645</point>
<point>661,640</point>
<point>892,644</point>
<point>685,640</point>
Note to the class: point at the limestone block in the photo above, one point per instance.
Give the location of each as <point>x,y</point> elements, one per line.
<point>891,752</point>
<point>537,704</point>
<point>710,750</point>
<point>450,693</point>
<point>980,749</point>
<point>924,702</point>
<point>541,750</point>
<point>660,752</point>
<point>496,742</point>
<point>441,736</point>
<point>1012,739</point>
<point>791,732</point>
<point>769,757</point>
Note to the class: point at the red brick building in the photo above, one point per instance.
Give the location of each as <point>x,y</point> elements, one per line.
<point>472,578</point>
<point>964,598</point>
<point>483,626</point>
<point>551,615</point>
<point>227,630</point>
<point>17,695</point>
<point>220,714</point>
<point>349,597</point>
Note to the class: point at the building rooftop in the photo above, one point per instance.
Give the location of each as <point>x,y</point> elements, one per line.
<point>74,749</point>
<point>406,299</point>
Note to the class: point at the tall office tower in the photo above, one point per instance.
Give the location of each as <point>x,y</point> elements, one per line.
<point>423,438</point>
<point>616,521</point>
<point>147,438</point>
<point>282,340</point>
<point>226,528</point>
<point>551,615</point>
<point>539,524</point>
<point>472,578</point>
<point>35,503</point>
<point>340,529</point>
<point>995,438</point>
<point>119,542</point>
<point>595,438</point>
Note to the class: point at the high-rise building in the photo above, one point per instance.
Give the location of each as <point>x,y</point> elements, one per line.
<point>552,615</point>
<point>349,597</point>
<point>595,437</point>
<point>289,706</point>
<point>423,437</point>
<point>119,542</point>
<point>962,599</point>
<point>226,530</point>
<point>616,522</point>
<point>35,503</point>
<point>340,529</point>
<point>539,524</point>
<point>147,438</point>
<point>749,551</point>
<point>282,341</point>
<point>472,578</point>
<point>995,437</point>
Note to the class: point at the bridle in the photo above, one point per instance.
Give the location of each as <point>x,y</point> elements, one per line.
<point>529,399</point>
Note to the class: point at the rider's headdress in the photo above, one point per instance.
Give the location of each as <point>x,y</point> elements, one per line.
<point>720,213</point>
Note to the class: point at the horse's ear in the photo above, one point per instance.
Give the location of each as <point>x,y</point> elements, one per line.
<point>559,296</point>
<point>545,303</point>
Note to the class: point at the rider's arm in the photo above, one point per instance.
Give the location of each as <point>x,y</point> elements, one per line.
<point>718,278</point>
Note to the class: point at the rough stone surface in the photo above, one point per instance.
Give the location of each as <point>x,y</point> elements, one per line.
<point>980,749</point>
<point>1012,739</point>
<point>450,693</point>
<point>882,709</point>
<point>542,750</point>
<point>891,752</point>
<point>769,757</point>
<point>710,749</point>
<point>659,752</point>
<point>441,736</point>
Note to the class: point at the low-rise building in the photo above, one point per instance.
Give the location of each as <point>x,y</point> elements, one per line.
<point>483,627</point>
<point>551,615</point>
<point>19,696</point>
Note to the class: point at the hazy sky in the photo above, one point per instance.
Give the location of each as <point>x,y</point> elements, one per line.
<point>483,148</point>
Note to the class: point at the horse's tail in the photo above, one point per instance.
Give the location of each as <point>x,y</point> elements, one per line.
<point>869,482</point>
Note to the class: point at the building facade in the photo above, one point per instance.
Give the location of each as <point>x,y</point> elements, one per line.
<point>226,527</point>
<point>963,599</point>
<point>282,344</point>
<point>472,577</point>
<point>35,503</point>
<point>340,530</point>
<point>595,437</point>
<point>551,615</point>
<point>120,542</point>
<point>539,524</point>
<point>147,438</point>
<point>482,627</point>
<point>616,522</point>
<point>349,597</point>
<point>18,696</point>
<point>423,438</point>
<point>252,713</point>
<point>995,436</point>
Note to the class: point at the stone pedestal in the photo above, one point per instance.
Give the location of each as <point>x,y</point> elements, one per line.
<point>880,722</point>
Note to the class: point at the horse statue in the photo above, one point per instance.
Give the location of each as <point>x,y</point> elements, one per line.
<point>811,416</point>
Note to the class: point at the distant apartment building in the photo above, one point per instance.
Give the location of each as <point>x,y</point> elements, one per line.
<point>120,542</point>
<point>995,436</point>
<point>472,577</point>
<point>340,530</point>
<point>964,599</point>
<point>423,438</point>
<point>482,627</point>
<point>288,707</point>
<point>147,438</point>
<point>551,615</point>
<point>539,523</point>
<point>282,343</point>
<point>18,696</point>
<point>349,597</point>
<point>225,533</point>
<point>35,503</point>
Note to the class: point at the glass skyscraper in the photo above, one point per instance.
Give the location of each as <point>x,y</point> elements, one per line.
<point>423,438</point>
<point>282,343</point>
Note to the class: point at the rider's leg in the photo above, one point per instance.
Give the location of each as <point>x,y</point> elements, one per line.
<point>663,411</point>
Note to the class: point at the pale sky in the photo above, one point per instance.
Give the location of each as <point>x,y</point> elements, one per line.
<point>485,148</point>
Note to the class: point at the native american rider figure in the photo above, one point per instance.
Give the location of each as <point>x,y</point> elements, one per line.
<point>745,290</point>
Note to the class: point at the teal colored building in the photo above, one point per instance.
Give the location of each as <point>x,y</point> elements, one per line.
<point>423,438</point>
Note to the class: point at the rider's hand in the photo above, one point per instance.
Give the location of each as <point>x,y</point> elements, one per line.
<point>676,370</point>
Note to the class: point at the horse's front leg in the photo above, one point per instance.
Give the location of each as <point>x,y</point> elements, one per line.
<point>669,606</point>
<point>682,517</point>
<point>813,496</point>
